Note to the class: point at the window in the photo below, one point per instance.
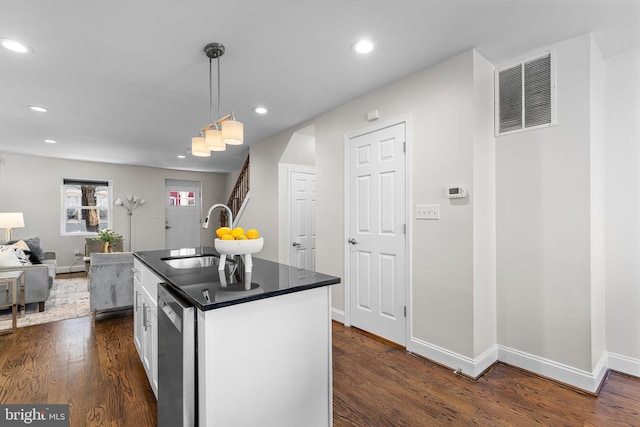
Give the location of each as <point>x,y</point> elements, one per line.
<point>182,198</point>
<point>86,206</point>
<point>525,95</point>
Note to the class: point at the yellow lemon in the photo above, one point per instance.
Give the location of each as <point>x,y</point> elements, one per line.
<point>252,233</point>
<point>222,231</point>
<point>241,237</point>
<point>227,237</point>
<point>238,231</point>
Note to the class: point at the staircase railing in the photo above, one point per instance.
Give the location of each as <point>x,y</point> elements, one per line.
<point>238,194</point>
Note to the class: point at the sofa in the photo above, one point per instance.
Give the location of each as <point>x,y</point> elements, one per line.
<point>39,268</point>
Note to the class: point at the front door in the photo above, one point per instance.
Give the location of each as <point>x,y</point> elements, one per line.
<point>302,200</point>
<point>182,214</point>
<point>376,232</point>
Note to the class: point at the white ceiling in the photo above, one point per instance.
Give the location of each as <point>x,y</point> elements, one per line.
<point>126,80</point>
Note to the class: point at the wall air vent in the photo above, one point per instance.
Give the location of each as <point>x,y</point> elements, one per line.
<point>525,95</point>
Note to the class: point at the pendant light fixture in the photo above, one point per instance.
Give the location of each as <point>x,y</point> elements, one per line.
<point>225,130</point>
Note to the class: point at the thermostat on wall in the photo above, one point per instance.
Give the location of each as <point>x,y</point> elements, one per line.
<point>456,192</point>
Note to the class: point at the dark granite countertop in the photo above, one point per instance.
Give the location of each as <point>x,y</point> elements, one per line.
<point>204,287</point>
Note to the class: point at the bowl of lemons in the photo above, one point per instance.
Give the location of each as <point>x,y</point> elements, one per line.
<point>237,241</point>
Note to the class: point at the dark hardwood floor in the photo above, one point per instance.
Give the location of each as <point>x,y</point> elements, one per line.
<point>92,365</point>
<point>377,384</point>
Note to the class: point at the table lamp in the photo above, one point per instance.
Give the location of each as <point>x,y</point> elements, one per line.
<point>10,220</point>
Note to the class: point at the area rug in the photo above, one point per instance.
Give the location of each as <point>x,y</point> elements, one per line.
<point>69,298</point>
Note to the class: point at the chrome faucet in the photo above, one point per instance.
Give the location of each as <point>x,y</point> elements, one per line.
<point>218,205</point>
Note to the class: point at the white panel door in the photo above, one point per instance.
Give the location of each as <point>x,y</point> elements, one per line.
<point>182,216</point>
<point>377,258</point>
<point>302,201</point>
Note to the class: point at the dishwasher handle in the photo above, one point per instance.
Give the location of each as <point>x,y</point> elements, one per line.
<point>172,305</point>
<point>172,315</point>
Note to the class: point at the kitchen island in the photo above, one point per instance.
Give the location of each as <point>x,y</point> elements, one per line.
<point>263,340</point>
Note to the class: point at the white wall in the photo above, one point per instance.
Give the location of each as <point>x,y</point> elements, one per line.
<point>299,155</point>
<point>32,185</point>
<point>441,102</point>
<point>597,208</point>
<point>301,149</point>
<point>622,157</point>
<point>484,210</point>
<point>262,211</point>
<point>544,224</point>
<point>547,223</point>
<point>442,311</point>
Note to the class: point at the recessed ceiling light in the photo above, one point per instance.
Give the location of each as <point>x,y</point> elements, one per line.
<point>50,141</point>
<point>15,46</point>
<point>363,46</point>
<point>38,108</point>
<point>260,110</point>
<point>181,156</point>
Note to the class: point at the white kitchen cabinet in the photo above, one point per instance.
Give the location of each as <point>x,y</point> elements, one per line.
<point>138,297</point>
<point>145,320</point>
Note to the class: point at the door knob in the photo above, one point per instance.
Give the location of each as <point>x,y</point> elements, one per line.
<point>295,244</point>
<point>353,241</point>
<point>166,227</point>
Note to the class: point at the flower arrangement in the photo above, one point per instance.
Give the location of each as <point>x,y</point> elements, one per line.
<point>109,236</point>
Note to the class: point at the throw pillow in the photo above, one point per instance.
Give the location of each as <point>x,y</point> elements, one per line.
<point>20,244</point>
<point>10,256</point>
<point>36,254</point>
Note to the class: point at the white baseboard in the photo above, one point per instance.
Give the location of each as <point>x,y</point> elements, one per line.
<point>624,364</point>
<point>70,268</point>
<point>588,381</point>
<point>458,363</point>
<point>337,315</point>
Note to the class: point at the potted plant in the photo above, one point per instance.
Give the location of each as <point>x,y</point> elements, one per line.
<point>108,238</point>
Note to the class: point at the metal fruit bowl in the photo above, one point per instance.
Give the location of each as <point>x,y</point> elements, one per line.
<point>239,247</point>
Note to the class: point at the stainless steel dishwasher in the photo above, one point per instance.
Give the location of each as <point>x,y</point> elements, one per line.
<point>176,360</point>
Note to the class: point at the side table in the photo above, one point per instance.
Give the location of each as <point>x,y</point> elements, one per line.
<point>8,279</point>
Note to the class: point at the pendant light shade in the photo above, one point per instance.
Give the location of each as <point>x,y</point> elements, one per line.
<point>214,140</point>
<point>199,147</point>
<point>232,132</point>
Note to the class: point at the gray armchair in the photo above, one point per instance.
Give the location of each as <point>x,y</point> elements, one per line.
<point>111,281</point>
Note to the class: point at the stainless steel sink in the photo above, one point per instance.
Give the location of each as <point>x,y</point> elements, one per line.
<point>192,262</point>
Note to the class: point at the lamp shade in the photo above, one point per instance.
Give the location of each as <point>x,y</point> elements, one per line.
<point>11,220</point>
<point>232,132</point>
<point>199,147</point>
<point>214,140</point>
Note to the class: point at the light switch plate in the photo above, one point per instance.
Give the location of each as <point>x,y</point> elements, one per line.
<point>427,211</point>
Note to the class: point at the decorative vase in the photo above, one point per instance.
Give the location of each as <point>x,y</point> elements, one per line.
<point>106,247</point>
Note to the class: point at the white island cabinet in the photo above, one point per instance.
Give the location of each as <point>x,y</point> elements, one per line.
<point>266,362</point>
<point>145,320</point>
<point>262,350</point>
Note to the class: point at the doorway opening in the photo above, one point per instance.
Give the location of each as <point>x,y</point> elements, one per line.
<point>296,192</point>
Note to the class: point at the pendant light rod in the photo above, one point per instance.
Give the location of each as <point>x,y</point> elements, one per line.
<point>214,51</point>
<point>218,59</point>
<point>211,94</point>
